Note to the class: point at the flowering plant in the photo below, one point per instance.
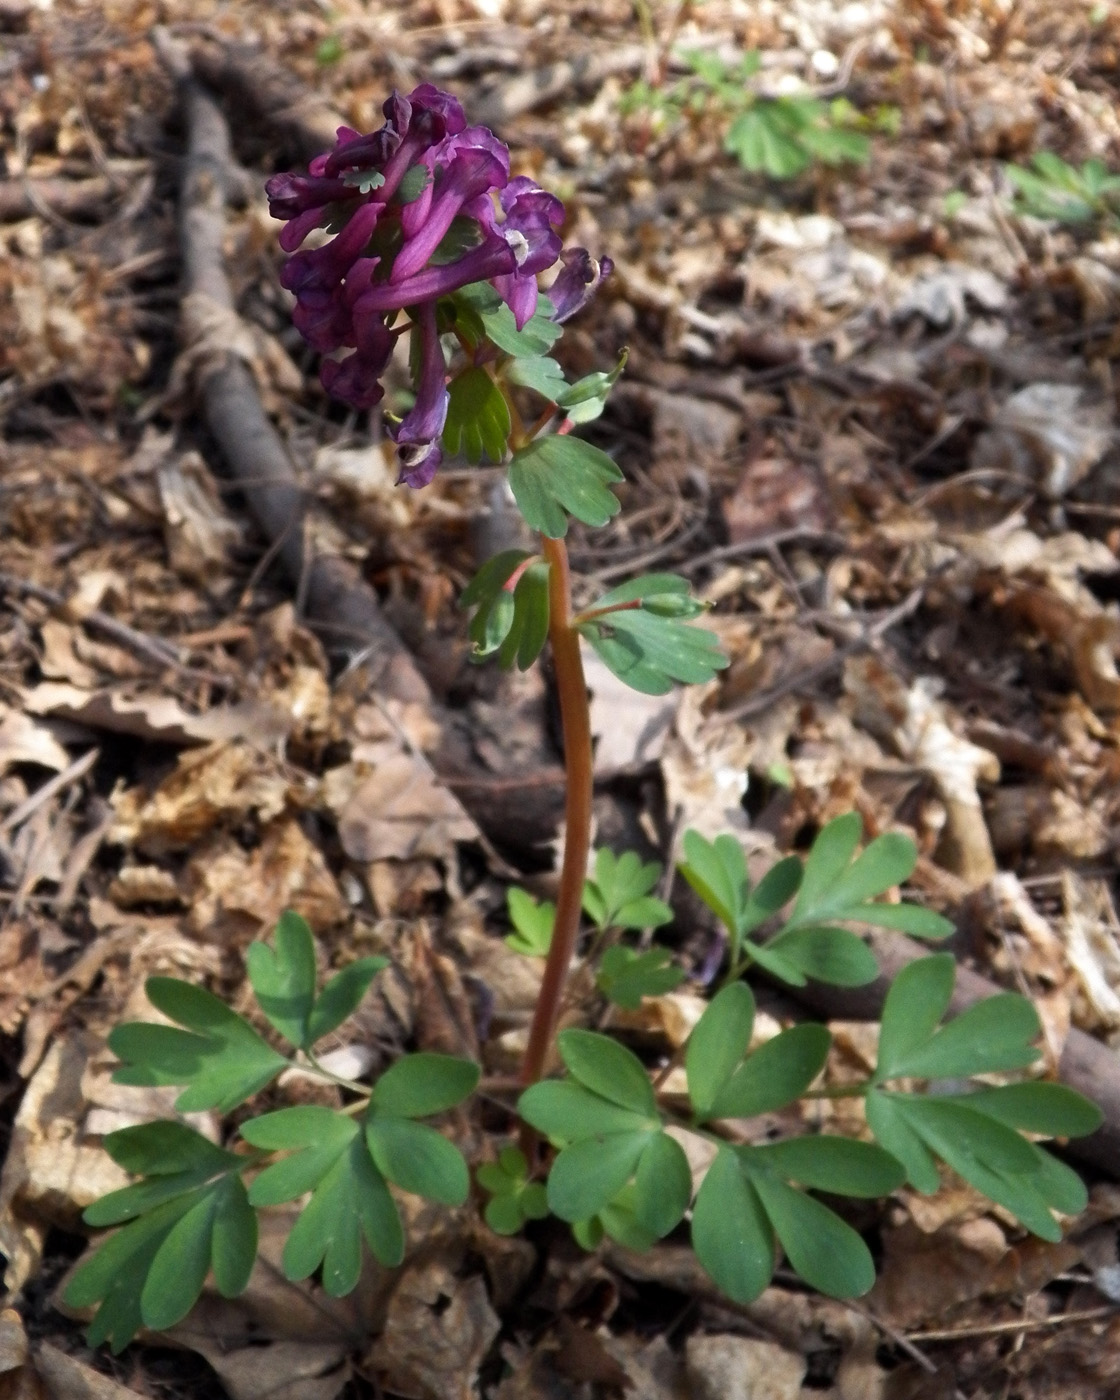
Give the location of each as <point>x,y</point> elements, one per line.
<point>426,233</point>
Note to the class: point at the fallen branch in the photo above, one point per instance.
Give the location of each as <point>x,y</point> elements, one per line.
<point>337,599</point>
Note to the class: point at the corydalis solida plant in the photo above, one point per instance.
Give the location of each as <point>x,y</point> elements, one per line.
<point>426,233</point>
<point>417,210</point>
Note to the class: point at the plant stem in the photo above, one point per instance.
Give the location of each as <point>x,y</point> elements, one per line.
<point>575,718</point>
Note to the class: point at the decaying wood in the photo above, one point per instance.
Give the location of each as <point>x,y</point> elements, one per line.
<point>265,92</point>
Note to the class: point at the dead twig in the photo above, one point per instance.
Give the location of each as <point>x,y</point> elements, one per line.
<point>809,675</point>
<point>150,648</point>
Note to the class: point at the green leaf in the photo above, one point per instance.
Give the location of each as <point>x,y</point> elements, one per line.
<point>553,477</point>
<point>342,996</point>
<point>833,955</point>
<point>962,1136</point>
<point>995,1034</point>
<point>417,1086</point>
<point>662,1186</point>
<point>626,976</point>
<point>912,919</point>
<point>731,1234</point>
<point>1016,1174</point>
<point>536,337</point>
<point>837,1164</point>
<point>493,601</point>
<point>888,1122</point>
<point>617,897</point>
<point>163,1148</point>
<point>650,653</point>
<point>775,1074</point>
<point>515,1198</point>
<point>608,1069</point>
<point>918,999</point>
<point>830,856</point>
<point>777,887</point>
<point>173,1158</point>
<point>317,1135</point>
<point>233,1238</point>
<point>529,632</point>
<point>566,1112</point>
<point>585,400</point>
<point>774,963</point>
<point>619,1220</point>
<point>418,1159</point>
<point>218,1055</point>
<point>539,373</point>
<point>717,1044</point>
<point>414,182</point>
<point>179,1268</point>
<point>760,144</point>
<point>1040,1107</point>
<point>191,1214</point>
<point>1059,1185</point>
<point>478,422</point>
<point>349,1196</point>
<point>827,1253</point>
<point>717,871</point>
<point>588,1175</point>
<point>115,1276</point>
<point>283,977</point>
<point>350,1201</point>
<point>532,920</point>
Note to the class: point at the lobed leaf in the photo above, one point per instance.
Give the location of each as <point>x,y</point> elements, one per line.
<point>342,996</point>
<point>608,1069</point>
<point>218,1055</point>
<point>283,977</point>
<point>589,1174</point>
<point>826,1252</point>
<point>533,922</point>
<point>554,477</point>
<point>717,1044</point>
<point>731,1234</point>
<point>626,976</point>
<point>662,1186</point>
<point>567,1112</point>
<point>478,422</point>
<point>650,653</point>
<point>775,1074</point>
<point>417,1086</point>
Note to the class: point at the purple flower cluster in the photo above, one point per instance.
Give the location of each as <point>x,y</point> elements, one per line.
<point>413,215</point>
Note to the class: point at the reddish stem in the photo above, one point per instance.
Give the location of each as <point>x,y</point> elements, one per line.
<point>575,718</point>
<point>593,613</point>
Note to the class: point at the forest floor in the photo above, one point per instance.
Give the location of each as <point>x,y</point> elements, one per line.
<point>869,410</point>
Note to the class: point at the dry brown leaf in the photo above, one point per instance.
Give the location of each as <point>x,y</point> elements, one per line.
<point>728,1367</point>
<point>437,1331</point>
<point>1047,434</point>
<point>220,784</point>
<point>198,532</point>
<point>234,893</point>
<point>50,1175</point>
<point>159,717</point>
<point>23,740</point>
<point>924,731</point>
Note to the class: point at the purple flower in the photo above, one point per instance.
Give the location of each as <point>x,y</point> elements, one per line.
<point>578,280</point>
<point>418,433</point>
<point>409,214</point>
